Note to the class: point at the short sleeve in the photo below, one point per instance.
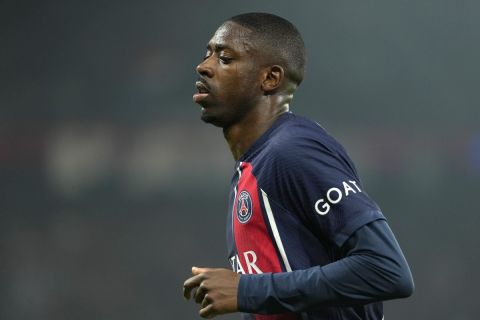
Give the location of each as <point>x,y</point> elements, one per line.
<point>312,176</point>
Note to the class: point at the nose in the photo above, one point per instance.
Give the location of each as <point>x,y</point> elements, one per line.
<point>204,69</point>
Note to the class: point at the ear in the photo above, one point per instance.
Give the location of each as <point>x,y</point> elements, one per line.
<point>273,78</point>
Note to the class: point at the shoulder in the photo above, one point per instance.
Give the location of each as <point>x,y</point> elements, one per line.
<point>302,147</point>
<point>301,136</point>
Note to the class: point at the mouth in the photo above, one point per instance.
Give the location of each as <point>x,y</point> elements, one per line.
<point>202,93</point>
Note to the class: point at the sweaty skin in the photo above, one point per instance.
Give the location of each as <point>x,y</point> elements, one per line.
<point>245,93</point>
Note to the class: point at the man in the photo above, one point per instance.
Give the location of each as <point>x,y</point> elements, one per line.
<point>305,241</point>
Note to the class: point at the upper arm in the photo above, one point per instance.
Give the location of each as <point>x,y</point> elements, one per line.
<point>314,178</point>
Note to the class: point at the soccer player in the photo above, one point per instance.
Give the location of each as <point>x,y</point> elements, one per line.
<point>305,240</point>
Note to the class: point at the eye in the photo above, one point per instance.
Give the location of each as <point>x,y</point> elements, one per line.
<point>225,60</point>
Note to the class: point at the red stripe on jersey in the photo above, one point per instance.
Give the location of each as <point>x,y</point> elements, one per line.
<point>254,245</point>
<point>255,248</point>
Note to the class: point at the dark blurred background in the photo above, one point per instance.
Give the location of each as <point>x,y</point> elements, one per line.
<point>111,188</point>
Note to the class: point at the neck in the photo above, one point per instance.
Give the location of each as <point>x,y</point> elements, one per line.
<point>242,135</point>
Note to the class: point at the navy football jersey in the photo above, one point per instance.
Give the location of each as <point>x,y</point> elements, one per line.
<point>295,199</point>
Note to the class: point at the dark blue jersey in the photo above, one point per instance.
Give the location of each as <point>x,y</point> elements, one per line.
<point>295,200</point>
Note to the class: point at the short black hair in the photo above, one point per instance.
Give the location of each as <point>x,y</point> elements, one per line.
<point>280,38</point>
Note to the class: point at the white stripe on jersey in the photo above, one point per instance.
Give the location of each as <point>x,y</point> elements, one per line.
<point>235,196</point>
<point>239,171</point>
<point>276,235</point>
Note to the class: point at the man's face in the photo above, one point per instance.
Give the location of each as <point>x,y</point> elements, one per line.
<point>229,83</point>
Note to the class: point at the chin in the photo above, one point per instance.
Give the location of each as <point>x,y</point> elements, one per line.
<point>207,118</point>
<point>212,119</point>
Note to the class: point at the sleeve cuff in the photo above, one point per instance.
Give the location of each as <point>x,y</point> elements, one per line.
<point>251,292</point>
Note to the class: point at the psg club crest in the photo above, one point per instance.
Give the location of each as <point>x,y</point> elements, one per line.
<point>244,207</point>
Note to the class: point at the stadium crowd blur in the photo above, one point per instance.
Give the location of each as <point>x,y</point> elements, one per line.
<point>111,188</point>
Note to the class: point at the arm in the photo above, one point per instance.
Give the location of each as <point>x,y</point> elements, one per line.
<point>373,269</point>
